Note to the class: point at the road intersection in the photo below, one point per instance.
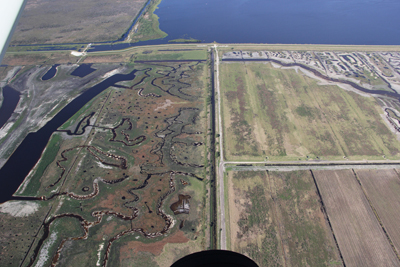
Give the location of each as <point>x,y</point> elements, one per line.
<point>292,164</point>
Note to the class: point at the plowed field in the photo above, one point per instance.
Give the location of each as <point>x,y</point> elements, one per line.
<point>383,188</point>
<point>358,233</point>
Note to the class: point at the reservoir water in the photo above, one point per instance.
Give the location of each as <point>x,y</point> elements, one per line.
<point>8,105</point>
<point>83,70</point>
<point>347,22</point>
<point>361,22</point>
<point>50,73</point>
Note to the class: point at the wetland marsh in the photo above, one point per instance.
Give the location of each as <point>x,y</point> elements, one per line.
<point>124,161</point>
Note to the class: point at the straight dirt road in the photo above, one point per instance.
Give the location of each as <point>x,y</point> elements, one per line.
<point>221,166</point>
<point>310,163</point>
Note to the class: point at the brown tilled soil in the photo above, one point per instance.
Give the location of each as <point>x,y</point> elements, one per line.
<point>383,188</point>
<point>361,239</point>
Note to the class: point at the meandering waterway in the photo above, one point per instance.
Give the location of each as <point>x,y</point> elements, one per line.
<point>29,151</point>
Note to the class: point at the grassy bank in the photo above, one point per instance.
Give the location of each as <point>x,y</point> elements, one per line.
<point>183,40</point>
<point>147,28</point>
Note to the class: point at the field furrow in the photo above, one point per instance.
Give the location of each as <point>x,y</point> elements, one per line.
<point>361,239</point>
<point>383,188</point>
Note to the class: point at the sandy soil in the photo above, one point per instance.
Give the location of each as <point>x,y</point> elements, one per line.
<point>19,208</point>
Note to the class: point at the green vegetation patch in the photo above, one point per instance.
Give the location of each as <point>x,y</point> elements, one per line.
<point>276,219</point>
<point>282,115</point>
<point>173,54</point>
<point>147,28</point>
<point>306,234</point>
<point>185,40</point>
<point>20,222</point>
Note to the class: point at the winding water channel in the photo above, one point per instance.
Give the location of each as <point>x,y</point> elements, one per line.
<point>29,151</point>
<point>320,75</point>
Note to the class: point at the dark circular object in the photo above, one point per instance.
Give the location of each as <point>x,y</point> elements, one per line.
<point>85,189</point>
<point>214,258</point>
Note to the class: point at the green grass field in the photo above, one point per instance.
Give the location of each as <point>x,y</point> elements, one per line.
<point>191,54</point>
<point>275,218</point>
<point>185,40</point>
<point>284,115</point>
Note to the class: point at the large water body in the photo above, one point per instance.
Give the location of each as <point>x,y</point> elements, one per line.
<point>346,22</point>
<point>358,22</point>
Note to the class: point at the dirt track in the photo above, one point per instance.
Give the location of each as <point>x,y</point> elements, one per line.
<point>221,167</point>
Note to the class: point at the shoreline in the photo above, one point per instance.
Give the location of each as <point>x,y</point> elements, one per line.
<point>331,47</point>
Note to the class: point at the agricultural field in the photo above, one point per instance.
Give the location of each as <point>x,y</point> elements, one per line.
<point>280,114</point>
<point>382,187</point>
<point>75,21</point>
<point>359,235</point>
<point>124,179</point>
<point>275,218</point>
<point>370,70</point>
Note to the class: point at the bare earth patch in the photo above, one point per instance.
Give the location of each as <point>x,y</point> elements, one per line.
<point>19,208</point>
<point>154,248</point>
<point>357,230</point>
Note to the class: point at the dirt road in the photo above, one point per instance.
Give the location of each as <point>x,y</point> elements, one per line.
<point>221,167</point>
<point>265,164</point>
